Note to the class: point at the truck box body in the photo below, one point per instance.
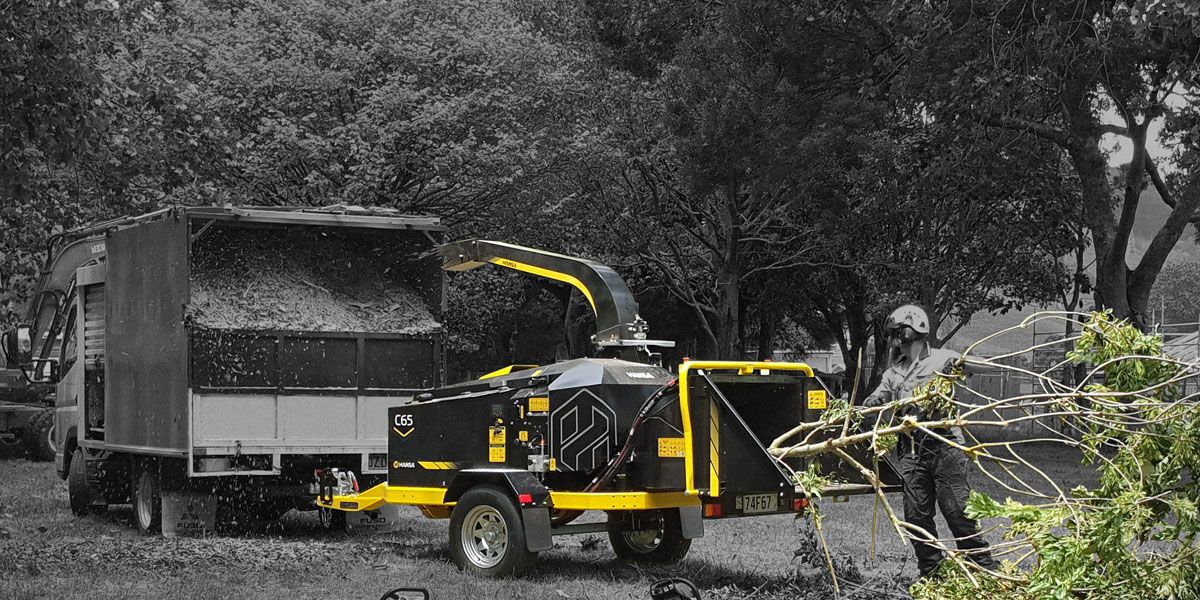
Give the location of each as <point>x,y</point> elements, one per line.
<point>154,379</point>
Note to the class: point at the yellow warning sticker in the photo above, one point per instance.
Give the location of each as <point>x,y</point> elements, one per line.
<point>496,436</point>
<point>539,404</point>
<point>670,447</point>
<point>817,400</point>
<point>523,435</point>
<point>496,454</point>
<point>553,464</point>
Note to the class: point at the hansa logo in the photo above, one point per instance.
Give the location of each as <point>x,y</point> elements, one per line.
<point>639,375</point>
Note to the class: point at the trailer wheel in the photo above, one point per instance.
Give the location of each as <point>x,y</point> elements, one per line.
<point>147,502</point>
<point>487,536</point>
<point>41,436</point>
<point>658,540</point>
<point>80,495</point>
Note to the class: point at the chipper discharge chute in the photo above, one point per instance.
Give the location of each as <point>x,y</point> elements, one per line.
<point>514,458</point>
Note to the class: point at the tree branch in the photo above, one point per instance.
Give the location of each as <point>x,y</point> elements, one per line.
<point>1164,192</point>
<point>1042,130</point>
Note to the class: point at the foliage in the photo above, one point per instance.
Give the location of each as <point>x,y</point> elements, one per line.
<point>1176,289</point>
<point>1052,72</point>
<point>1134,535</point>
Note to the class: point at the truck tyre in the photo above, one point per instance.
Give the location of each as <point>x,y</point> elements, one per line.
<point>147,502</point>
<point>80,495</point>
<point>41,436</point>
<point>661,543</point>
<point>487,536</point>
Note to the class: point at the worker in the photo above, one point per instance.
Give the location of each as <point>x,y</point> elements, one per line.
<point>934,473</point>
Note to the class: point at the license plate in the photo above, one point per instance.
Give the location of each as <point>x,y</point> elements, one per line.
<point>757,503</point>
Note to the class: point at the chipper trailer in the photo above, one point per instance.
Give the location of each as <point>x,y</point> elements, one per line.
<point>514,458</point>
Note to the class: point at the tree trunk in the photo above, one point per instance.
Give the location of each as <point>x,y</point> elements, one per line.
<point>728,279</point>
<point>768,320</point>
<point>1111,271</point>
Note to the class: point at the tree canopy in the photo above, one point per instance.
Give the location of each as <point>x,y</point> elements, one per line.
<point>768,175</point>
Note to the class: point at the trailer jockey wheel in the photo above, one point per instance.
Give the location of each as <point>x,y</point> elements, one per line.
<point>487,536</point>
<point>80,495</point>
<point>147,502</point>
<point>653,537</point>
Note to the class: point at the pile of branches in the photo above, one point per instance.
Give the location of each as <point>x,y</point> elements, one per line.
<point>1133,419</point>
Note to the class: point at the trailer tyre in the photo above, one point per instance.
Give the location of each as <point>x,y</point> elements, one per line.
<point>487,536</point>
<point>147,502</point>
<point>662,542</point>
<point>41,436</point>
<point>79,494</point>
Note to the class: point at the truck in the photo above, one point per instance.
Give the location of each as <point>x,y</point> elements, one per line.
<point>232,351</point>
<point>514,458</point>
<point>26,408</point>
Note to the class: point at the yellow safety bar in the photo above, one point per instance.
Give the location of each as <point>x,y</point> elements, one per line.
<point>381,494</point>
<point>743,368</point>
<point>378,495</point>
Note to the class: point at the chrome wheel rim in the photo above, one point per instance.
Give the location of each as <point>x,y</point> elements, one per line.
<point>50,439</point>
<point>484,537</point>
<point>644,541</point>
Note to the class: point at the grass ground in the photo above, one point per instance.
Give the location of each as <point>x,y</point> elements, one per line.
<point>45,552</point>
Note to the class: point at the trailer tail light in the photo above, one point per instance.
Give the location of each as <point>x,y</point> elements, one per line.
<point>525,498</point>
<point>712,511</point>
<point>799,504</point>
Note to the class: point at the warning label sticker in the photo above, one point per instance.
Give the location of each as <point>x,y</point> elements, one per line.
<point>817,400</point>
<point>496,436</point>
<point>670,447</point>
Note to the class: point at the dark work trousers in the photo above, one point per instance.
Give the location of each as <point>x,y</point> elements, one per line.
<point>937,477</point>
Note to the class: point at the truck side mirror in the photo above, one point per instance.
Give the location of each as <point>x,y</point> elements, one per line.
<point>24,341</point>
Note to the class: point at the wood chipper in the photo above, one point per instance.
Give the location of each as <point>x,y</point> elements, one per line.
<point>514,458</point>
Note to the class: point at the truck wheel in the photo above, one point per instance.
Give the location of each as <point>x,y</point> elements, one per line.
<point>487,536</point>
<point>79,494</point>
<point>41,436</point>
<point>147,502</point>
<point>661,542</point>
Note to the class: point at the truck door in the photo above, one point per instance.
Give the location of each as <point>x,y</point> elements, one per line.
<point>69,366</point>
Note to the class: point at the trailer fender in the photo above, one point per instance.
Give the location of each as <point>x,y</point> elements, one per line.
<point>531,497</point>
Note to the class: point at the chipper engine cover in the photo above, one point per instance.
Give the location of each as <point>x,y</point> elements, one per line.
<point>568,419</point>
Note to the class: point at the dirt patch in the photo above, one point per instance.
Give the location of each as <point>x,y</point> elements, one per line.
<point>306,281</point>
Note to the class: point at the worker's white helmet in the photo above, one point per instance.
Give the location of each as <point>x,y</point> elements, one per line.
<point>908,315</point>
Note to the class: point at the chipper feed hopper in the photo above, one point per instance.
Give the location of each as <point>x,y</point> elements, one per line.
<point>514,458</point>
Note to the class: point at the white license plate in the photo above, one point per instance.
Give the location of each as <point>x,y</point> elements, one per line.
<point>757,503</point>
